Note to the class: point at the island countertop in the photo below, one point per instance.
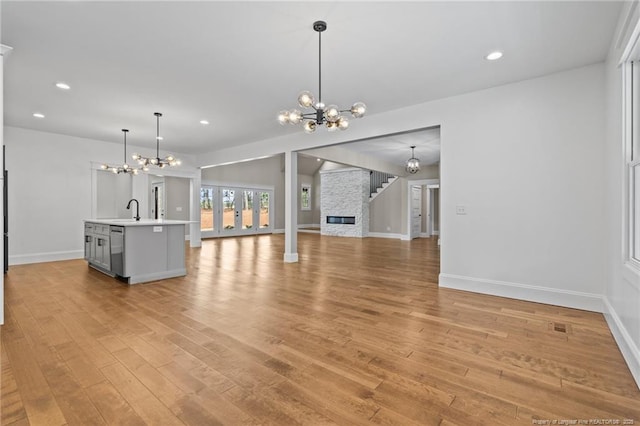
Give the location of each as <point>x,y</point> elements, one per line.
<point>141,222</point>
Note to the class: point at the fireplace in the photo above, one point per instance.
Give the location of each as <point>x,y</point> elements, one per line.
<point>342,220</point>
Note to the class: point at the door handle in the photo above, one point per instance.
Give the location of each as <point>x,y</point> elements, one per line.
<point>87,238</point>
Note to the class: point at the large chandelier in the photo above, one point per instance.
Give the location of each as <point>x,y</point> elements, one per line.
<point>330,115</point>
<point>169,160</point>
<point>413,163</point>
<point>124,168</point>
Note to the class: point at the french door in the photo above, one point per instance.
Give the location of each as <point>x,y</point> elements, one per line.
<point>226,211</point>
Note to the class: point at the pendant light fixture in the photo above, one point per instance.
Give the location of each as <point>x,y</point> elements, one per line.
<point>330,115</point>
<point>125,168</point>
<point>413,163</point>
<point>169,160</point>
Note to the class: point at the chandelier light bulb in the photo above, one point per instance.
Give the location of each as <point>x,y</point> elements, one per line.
<point>283,117</point>
<point>343,123</point>
<point>295,116</point>
<point>309,126</point>
<point>358,109</point>
<point>332,113</point>
<point>332,126</point>
<point>104,166</point>
<point>306,99</point>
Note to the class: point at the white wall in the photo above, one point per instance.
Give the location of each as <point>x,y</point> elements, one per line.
<point>114,192</point>
<point>385,211</point>
<point>50,191</point>
<point>622,292</point>
<point>526,162</point>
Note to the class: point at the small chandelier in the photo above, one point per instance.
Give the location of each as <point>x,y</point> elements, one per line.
<point>169,160</point>
<point>330,115</point>
<point>413,163</point>
<point>125,168</point>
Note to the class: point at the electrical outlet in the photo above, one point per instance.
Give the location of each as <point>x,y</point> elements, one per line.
<point>461,209</point>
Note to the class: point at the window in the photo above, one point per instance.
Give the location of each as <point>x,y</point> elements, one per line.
<point>305,198</point>
<point>632,157</point>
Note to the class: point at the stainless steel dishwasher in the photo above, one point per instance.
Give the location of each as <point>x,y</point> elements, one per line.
<point>117,249</point>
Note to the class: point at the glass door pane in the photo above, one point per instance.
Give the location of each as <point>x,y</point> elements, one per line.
<point>228,209</point>
<point>207,211</point>
<point>247,209</point>
<point>263,213</point>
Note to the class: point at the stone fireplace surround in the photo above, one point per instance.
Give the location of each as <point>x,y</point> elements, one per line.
<point>344,193</point>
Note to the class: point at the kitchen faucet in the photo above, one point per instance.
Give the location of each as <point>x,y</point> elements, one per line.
<point>137,216</point>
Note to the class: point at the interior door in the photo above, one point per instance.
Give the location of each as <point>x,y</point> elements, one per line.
<point>416,211</point>
<point>157,200</point>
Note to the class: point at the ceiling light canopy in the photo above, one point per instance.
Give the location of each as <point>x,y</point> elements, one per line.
<point>330,115</point>
<point>169,160</point>
<point>124,168</point>
<point>413,163</point>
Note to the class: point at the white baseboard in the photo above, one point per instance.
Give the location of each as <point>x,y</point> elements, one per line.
<point>23,259</point>
<point>385,235</point>
<point>551,296</point>
<point>629,349</point>
<point>309,225</point>
<point>290,257</point>
<point>278,231</point>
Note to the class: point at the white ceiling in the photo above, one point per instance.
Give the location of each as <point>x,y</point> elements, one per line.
<point>238,63</point>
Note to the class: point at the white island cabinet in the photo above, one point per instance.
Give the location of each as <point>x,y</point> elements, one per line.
<point>136,251</point>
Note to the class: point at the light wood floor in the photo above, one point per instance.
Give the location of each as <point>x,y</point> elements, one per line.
<point>356,332</point>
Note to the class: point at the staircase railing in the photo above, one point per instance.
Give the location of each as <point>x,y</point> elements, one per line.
<point>377,180</point>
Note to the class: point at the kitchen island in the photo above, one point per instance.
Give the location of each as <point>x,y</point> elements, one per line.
<point>136,251</point>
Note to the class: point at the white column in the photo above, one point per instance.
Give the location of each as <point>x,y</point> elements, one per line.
<point>194,228</point>
<point>290,206</point>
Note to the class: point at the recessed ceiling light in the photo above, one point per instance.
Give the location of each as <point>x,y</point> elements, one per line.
<point>63,86</point>
<point>38,115</point>
<point>317,159</point>
<point>204,122</point>
<point>493,56</point>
